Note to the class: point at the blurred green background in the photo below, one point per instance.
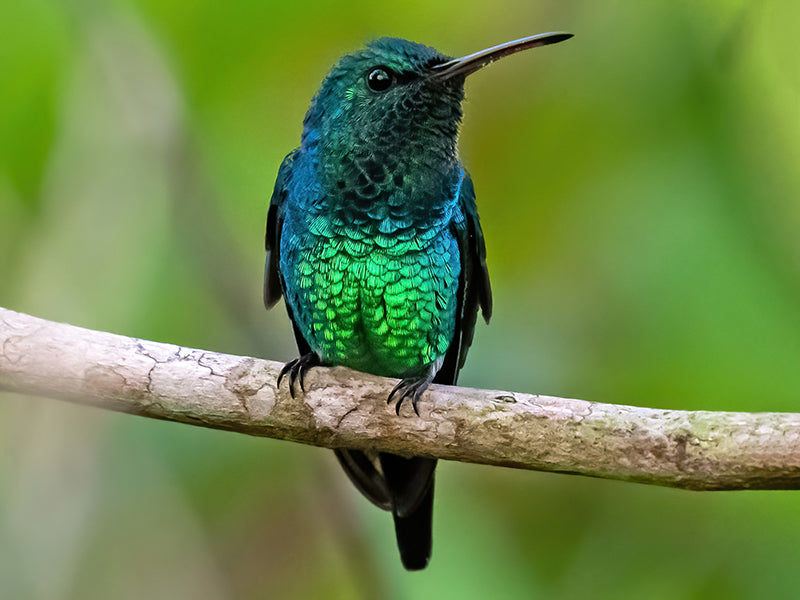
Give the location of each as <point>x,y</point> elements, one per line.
<point>640,194</point>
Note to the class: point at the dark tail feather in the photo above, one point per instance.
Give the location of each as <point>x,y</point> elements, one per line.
<point>410,481</point>
<point>365,477</point>
<point>414,536</point>
<point>405,487</point>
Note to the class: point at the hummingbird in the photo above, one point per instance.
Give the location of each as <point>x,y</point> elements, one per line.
<point>374,242</point>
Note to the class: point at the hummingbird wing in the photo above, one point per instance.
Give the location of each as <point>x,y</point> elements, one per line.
<point>273,281</point>
<point>474,289</point>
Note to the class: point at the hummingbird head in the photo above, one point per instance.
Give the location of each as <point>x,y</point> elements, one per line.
<point>399,97</point>
<point>383,96</point>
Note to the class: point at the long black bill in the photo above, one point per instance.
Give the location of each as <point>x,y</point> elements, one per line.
<point>477,60</point>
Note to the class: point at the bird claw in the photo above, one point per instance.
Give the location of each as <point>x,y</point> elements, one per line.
<point>297,369</point>
<point>408,388</point>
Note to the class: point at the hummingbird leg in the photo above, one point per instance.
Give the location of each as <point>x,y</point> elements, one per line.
<point>297,369</point>
<point>411,387</point>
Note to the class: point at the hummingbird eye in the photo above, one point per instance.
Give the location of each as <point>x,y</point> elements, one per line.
<point>380,79</point>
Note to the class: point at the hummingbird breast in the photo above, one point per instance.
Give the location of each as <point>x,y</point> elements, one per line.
<point>371,270</point>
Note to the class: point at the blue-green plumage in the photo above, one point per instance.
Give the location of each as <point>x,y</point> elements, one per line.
<point>374,242</point>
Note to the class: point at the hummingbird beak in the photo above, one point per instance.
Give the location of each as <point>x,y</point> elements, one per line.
<point>477,60</point>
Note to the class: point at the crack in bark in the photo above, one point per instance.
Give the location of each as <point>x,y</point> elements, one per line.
<point>142,351</point>
<point>345,415</point>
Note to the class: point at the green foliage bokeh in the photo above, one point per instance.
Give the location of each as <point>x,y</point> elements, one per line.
<point>639,190</point>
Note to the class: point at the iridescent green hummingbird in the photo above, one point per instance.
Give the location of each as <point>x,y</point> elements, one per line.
<point>373,240</point>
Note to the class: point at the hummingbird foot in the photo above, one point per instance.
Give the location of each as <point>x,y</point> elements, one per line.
<point>410,388</point>
<point>297,369</point>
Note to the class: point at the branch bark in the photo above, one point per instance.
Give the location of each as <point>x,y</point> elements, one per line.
<point>698,450</point>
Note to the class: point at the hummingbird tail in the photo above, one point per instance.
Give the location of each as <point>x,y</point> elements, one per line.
<point>403,486</point>
<point>410,481</point>
<point>414,535</point>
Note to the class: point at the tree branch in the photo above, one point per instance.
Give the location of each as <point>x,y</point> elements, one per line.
<point>698,450</point>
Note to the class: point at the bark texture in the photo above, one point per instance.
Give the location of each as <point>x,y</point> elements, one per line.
<point>700,450</point>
